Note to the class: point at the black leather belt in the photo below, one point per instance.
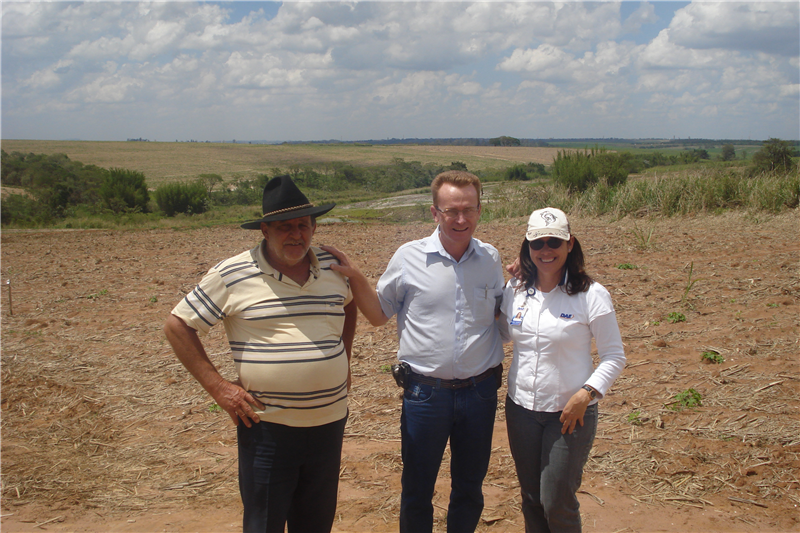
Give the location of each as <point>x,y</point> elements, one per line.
<point>455,383</point>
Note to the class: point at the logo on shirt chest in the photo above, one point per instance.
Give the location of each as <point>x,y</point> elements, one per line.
<point>568,316</point>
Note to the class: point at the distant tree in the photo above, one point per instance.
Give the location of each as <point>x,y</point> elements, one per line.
<point>728,152</point>
<point>189,198</point>
<point>209,181</point>
<point>504,141</point>
<point>125,190</point>
<point>574,170</point>
<point>458,165</point>
<point>775,155</point>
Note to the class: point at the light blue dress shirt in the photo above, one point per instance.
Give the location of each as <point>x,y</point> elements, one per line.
<point>445,308</point>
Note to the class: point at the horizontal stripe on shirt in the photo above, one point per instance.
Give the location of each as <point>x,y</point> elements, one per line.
<point>286,339</point>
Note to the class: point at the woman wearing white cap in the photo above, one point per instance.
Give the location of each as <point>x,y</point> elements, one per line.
<point>551,312</point>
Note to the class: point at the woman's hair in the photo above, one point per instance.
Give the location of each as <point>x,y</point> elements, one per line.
<point>577,278</point>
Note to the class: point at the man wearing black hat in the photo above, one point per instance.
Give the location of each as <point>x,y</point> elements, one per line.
<point>290,322</point>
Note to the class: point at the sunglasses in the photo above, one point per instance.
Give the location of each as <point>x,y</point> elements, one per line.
<point>554,243</point>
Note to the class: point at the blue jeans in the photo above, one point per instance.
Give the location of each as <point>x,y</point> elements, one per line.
<point>430,416</point>
<point>549,466</point>
<point>289,475</point>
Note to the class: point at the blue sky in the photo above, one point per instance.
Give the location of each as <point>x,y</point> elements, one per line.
<point>215,71</point>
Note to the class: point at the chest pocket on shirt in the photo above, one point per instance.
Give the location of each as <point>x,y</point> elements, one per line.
<point>485,304</point>
<point>335,315</point>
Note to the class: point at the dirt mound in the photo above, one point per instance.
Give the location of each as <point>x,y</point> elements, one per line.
<point>103,429</point>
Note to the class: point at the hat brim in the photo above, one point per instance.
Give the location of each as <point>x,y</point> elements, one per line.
<point>288,215</point>
<point>538,234</point>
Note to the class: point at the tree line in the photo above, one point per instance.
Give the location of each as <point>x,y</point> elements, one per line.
<point>53,187</point>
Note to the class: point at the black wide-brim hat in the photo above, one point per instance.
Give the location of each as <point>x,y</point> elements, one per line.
<point>284,201</point>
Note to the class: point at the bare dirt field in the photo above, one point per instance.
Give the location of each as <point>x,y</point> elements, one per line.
<point>103,429</point>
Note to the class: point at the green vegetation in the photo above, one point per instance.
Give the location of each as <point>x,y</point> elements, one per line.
<point>214,408</point>
<point>687,399</point>
<point>96,295</point>
<point>712,357</point>
<point>627,266</point>
<point>774,156</point>
<point>504,141</point>
<point>675,317</point>
<point>728,153</point>
<point>53,191</point>
<point>710,190</point>
<point>525,172</point>
<point>642,237</point>
<point>189,198</point>
<point>689,283</point>
<point>634,418</point>
<point>579,170</point>
<point>658,154</point>
<point>124,191</point>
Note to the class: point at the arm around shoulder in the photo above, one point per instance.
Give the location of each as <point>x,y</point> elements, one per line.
<point>363,294</point>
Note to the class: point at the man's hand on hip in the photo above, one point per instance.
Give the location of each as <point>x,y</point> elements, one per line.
<point>237,402</point>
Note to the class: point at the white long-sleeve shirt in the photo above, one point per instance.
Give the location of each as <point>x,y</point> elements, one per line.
<point>552,344</point>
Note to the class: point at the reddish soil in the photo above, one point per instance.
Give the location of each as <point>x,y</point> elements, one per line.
<point>103,429</point>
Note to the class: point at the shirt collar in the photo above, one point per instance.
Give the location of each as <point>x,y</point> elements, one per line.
<point>434,245</point>
<point>268,269</point>
<point>532,291</point>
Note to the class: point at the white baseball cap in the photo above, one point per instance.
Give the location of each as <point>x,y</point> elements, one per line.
<point>548,222</point>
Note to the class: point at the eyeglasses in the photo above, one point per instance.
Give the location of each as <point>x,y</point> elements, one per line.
<point>468,212</point>
<point>554,243</point>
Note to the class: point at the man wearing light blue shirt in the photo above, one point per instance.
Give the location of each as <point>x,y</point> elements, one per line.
<point>445,290</point>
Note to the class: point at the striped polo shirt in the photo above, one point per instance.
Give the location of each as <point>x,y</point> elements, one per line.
<point>286,340</point>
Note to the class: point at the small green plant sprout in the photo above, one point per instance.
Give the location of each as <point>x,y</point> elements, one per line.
<point>689,283</point>
<point>642,237</point>
<point>772,305</point>
<point>386,369</point>
<point>153,299</point>
<point>712,357</point>
<point>214,408</point>
<point>97,294</point>
<point>656,322</point>
<point>634,419</point>
<point>687,399</point>
<point>675,317</point>
<point>627,266</point>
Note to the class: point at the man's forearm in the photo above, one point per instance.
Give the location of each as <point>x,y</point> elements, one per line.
<point>367,300</point>
<point>364,295</point>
